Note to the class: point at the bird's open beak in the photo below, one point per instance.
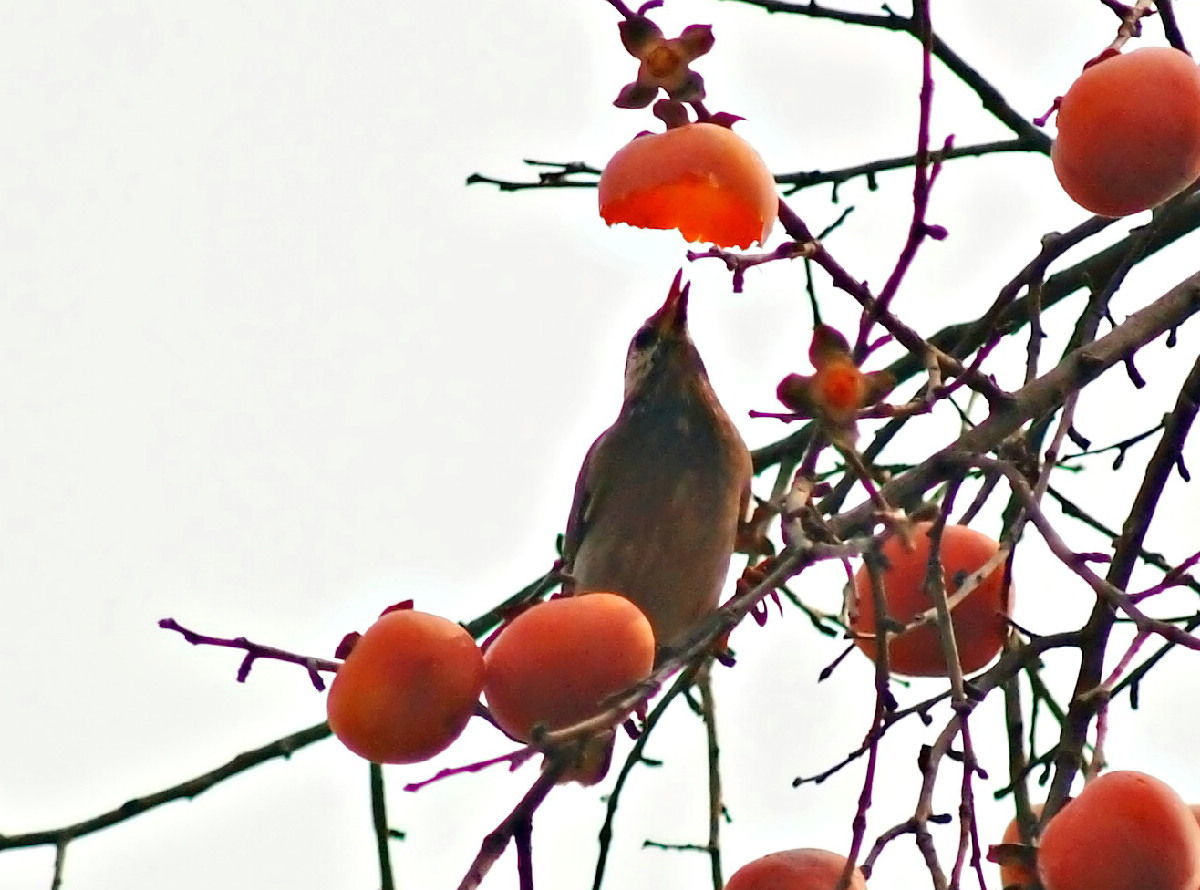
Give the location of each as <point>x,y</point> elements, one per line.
<point>671,317</point>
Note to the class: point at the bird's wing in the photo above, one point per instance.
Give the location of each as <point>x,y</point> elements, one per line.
<point>584,497</point>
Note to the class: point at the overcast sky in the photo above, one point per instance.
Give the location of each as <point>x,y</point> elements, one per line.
<point>269,366</point>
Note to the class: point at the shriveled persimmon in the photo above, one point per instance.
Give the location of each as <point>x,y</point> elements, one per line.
<point>700,178</point>
<point>407,688</point>
<point>803,869</point>
<point>980,620</point>
<point>559,662</point>
<point>1129,131</point>
<point>1125,829</point>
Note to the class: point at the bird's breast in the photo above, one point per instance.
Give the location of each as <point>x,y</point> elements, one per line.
<point>663,516</point>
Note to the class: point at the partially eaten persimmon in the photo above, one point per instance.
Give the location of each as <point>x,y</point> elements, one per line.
<point>700,178</point>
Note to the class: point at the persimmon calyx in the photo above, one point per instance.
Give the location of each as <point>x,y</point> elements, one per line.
<point>838,389</point>
<point>1014,855</point>
<point>664,62</point>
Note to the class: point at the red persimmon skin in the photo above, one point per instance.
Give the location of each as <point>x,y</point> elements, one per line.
<point>1129,132</point>
<point>1125,831</point>
<point>980,621</point>
<point>804,869</point>
<point>558,662</point>
<point>702,179</point>
<point>407,688</point>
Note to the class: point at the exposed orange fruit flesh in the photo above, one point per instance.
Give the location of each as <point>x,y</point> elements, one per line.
<point>702,179</point>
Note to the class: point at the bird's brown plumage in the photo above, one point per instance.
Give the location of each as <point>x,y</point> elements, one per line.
<point>661,492</point>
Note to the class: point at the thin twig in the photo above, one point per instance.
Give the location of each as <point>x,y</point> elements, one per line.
<point>379,821</point>
<point>283,747</point>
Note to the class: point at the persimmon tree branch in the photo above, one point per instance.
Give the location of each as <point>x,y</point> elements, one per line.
<point>1035,399</point>
<point>1159,469</point>
<point>1180,218</point>
<point>254,651</point>
<point>870,170</point>
<point>283,747</point>
<point>991,98</point>
<point>635,756</point>
<point>1044,394</point>
<point>515,824</point>
<point>582,175</point>
<point>379,822</point>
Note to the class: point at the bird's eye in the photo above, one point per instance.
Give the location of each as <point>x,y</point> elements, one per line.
<point>643,338</point>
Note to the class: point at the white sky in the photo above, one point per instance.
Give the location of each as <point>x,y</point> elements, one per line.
<point>269,366</point>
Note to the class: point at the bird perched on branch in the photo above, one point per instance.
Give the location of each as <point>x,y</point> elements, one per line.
<point>660,495</point>
<point>662,491</point>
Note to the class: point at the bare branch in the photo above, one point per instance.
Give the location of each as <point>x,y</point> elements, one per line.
<point>283,747</point>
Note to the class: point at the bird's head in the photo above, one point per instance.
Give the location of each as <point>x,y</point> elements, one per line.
<point>661,353</point>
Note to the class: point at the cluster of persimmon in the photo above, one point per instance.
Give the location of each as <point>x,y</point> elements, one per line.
<point>410,684</point>
<point>980,619</point>
<point>1125,829</point>
<point>412,681</point>
<point>1129,131</point>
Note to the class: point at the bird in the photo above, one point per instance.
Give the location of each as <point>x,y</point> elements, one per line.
<point>661,492</point>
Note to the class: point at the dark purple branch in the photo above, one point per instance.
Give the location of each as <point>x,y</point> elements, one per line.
<point>512,758</point>
<point>923,177</point>
<point>255,651</point>
<point>1166,11</point>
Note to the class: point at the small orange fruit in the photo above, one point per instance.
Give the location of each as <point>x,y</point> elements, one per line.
<point>804,869</point>
<point>979,621</point>
<point>1125,830</point>
<point>407,688</point>
<point>558,662</point>
<point>1015,874</point>
<point>1129,131</point>
<point>700,178</point>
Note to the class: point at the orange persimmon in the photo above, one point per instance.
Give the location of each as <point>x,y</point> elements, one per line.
<point>407,688</point>
<point>1016,874</point>
<point>1129,131</point>
<point>1125,829</point>
<point>804,869</point>
<point>558,662</point>
<point>980,621</point>
<point>700,178</point>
